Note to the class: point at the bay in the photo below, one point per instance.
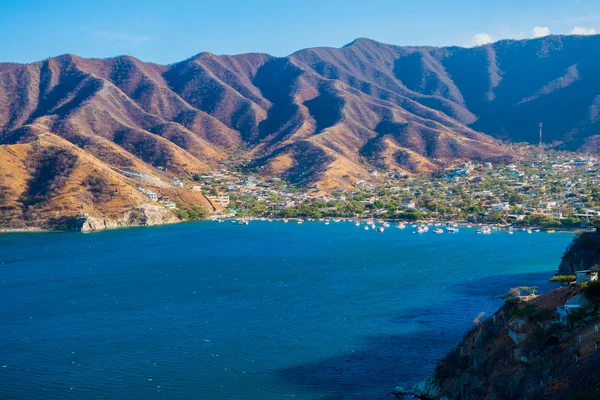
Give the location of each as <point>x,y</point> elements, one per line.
<point>271,310</point>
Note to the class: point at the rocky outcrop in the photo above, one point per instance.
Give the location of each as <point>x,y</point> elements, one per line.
<point>550,360</point>
<point>582,254</point>
<point>427,389</point>
<point>145,215</point>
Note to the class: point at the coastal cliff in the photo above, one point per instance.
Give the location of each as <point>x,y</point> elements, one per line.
<point>145,215</point>
<point>582,254</point>
<point>531,348</point>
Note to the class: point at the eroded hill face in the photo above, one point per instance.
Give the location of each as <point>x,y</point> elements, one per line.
<point>49,183</point>
<point>320,115</point>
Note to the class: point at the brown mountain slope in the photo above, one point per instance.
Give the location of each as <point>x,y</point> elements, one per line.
<point>50,182</point>
<point>319,115</point>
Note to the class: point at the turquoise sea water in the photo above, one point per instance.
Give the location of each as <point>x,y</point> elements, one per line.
<point>266,311</point>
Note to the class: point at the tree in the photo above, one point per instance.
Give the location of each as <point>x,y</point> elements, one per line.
<point>529,289</point>
<point>512,296</point>
<point>563,279</point>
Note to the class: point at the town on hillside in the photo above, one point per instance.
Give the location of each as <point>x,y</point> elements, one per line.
<point>558,190</point>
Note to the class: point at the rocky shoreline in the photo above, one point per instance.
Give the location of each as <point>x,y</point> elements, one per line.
<point>144,215</point>
<point>528,349</point>
<point>152,215</point>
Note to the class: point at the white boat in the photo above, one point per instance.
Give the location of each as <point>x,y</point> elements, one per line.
<point>451,229</point>
<point>386,224</point>
<point>357,223</point>
<point>381,229</point>
<point>529,231</point>
<point>485,230</point>
<point>285,220</point>
<point>438,230</point>
<point>537,230</point>
<point>422,229</point>
<point>401,225</point>
<point>300,220</point>
<point>509,232</point>
<point>326,222</point>
<point>366,227</point>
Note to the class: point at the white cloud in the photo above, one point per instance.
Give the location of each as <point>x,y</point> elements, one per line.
<point>540,31</point>
<point>481,39</point>
<point>578,30</point>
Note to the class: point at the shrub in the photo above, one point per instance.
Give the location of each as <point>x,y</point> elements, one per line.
<point>99,188</point>
<point>411,215</point>
<point>526,312</point>
<point>512,296</point>
<point>50,168</point>
<point>564,279</point>
<point>581,314</point>
<point>592,290</point>
<point>529,289</point>
<point>193,214</point>
<point>5,192</point>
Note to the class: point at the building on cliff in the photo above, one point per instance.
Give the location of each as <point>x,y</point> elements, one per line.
<point>586,275</point>
<point>572,305</point>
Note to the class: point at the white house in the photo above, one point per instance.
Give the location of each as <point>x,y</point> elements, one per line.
<point>585,276</point>
<point>500,206</point>
<point>577,302</point>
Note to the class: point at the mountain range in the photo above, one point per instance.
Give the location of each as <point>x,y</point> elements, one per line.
<point>320,115</point>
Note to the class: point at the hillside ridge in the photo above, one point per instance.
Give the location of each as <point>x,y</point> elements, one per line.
<point>320,116</point>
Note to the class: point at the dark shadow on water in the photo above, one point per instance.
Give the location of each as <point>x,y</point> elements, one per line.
<point>497,285</point>
<point>383,362</point>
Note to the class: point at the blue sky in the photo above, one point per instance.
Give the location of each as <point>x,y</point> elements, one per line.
<point>171,30</point>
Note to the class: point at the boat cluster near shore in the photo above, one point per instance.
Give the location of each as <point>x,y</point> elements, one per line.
<point>379,225</point>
